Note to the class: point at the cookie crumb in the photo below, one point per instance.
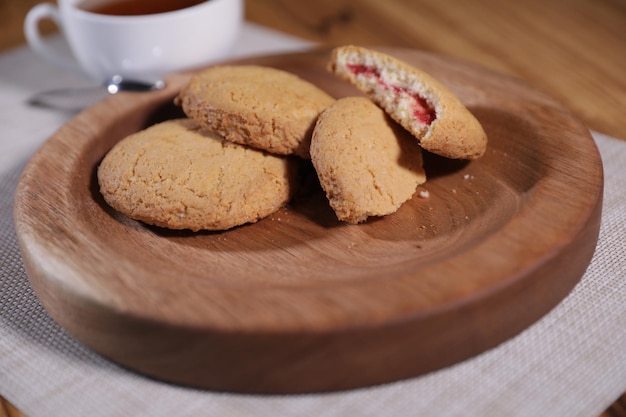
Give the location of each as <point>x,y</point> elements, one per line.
<point>424,194</point>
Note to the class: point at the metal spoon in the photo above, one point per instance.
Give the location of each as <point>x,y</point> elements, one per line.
<point>78,98</point>
<point>116,84</point>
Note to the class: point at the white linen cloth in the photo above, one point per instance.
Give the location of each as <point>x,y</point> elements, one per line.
<point>570,363</point>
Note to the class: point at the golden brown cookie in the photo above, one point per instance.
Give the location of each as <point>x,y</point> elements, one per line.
<point>420,103</point>
<point>367,164</point>
<point>178,175</point>
<point>262,107</point>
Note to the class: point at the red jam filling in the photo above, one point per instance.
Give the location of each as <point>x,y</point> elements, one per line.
<point>421,109</point>
<point>359,69</point>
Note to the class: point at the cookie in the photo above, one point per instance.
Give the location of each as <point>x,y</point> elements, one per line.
<point>367,164</point>
<point>262,107</point>
<point>178,175</point>
<point>420,103</point>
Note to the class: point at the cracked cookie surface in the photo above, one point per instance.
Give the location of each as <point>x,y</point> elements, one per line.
<point>262,107</point>
<point>367,164</point>
<point>177,175</point>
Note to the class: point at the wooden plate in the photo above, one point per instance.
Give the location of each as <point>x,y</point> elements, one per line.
<point>299,302</point>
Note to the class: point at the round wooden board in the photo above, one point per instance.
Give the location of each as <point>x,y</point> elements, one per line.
<point>300,302</point>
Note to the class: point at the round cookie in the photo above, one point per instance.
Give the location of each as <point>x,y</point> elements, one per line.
<point>177,175</point>
<point>420,103</point>
<point>367,164</point>
<point>257,106</point>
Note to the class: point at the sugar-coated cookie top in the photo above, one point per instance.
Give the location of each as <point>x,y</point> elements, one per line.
<point>258,106</point>
<point>178,175</point>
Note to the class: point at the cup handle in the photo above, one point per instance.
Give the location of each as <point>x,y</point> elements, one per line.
<point>35,41</point>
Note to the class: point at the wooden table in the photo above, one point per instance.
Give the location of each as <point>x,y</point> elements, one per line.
<point>573,49</point>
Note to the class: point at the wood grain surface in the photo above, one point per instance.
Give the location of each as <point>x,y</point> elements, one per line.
<point>571,49</point>
<point>299,301</point>
<point>8,410</point>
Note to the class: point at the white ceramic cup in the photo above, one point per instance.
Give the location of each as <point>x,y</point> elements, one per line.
<point>144,47</point>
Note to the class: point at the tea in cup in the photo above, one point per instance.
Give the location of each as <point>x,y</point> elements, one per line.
<point>137,39</point>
